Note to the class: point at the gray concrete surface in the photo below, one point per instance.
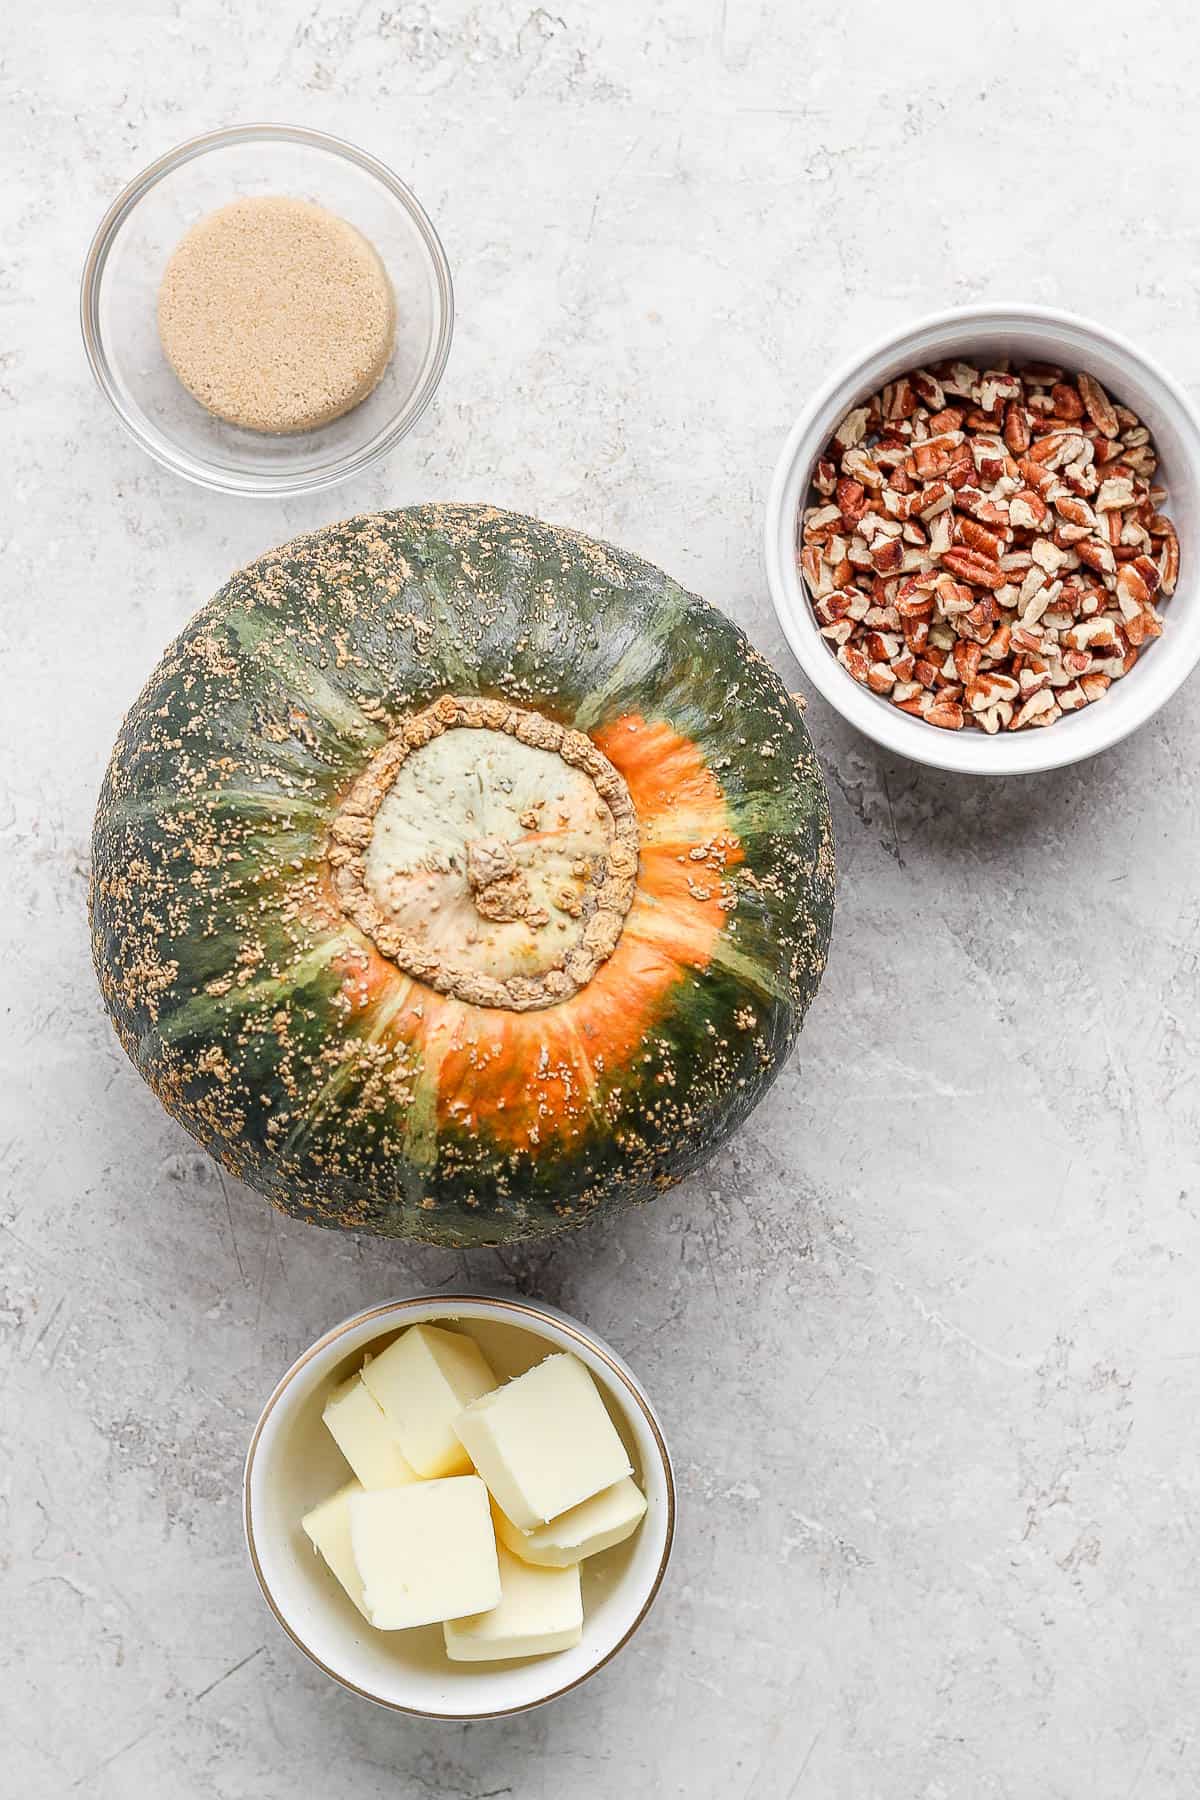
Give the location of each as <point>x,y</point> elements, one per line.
<point>925,1335</point>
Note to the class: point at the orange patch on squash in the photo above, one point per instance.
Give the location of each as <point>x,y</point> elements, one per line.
<point>663,771</point>
<point>367,977</point>
<point>528,1078</point>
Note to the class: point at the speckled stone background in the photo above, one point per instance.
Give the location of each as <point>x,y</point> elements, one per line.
<point>925,1335</point>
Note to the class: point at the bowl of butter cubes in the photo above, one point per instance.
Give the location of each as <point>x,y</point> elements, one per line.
<point>459,1505</point>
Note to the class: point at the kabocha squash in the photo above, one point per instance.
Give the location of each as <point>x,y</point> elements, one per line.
<point>456,876</point>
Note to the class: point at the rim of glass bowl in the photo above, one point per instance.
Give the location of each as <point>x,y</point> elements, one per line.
<point>160,447</point>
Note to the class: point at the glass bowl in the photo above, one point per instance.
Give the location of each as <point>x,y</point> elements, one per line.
<point>118,307</point>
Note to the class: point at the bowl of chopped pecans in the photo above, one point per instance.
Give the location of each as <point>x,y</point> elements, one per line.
<point>980,537</point>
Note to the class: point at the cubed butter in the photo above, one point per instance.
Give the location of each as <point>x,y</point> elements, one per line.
<point>540,1610</point>
<point>544,1442</point>
<point>422,1382</point>
<point>425,1552</point>
<point>597,1524</point>
<point>328,1525</point>
<point>364,1437</point>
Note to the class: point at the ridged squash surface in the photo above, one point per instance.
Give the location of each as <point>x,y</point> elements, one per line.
<point>456,876</point>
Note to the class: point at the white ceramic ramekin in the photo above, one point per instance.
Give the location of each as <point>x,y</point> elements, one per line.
<point>981,335</point>
<point>293,1463</point>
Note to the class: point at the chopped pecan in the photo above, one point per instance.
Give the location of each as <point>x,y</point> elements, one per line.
<point>934,499</point>
<point>984,571</point>
<point>1067,403</point>
<point>986,549</point>
<point>1026,639</point>
<point>967,658</point>
<point>1075,511</point>
<point>997,385</point>
<point>1057,448</point>
<point>1116,493</point>
<point>977,624</point>
<point>1143,626</point>
<point>1037,707</point>
<point>852,429</point>
<point>962,467</point>
<point>996,717</point>
<point>953,596</point>
<point>918,703</point>
<point>1132,590</point>
<point>1028,510</point>
<point>1097,555</point>
<point>935,456</point>
<point>1039,479</point>
<point>860,466</point>
<point>810,568</point>
<point>1149,571</point>
<point>929,389</point>
<point>1100,408</point>
<point>880,646</point>
<point>899,400</point>
<point>1168,562</point>
<point>1017,433</point>
<point>980,506</point>
<point>1096,635</point>
<point>851,500</point>
<point>989,687</point>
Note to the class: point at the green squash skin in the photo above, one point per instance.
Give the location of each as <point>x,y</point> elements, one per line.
<point>216,805</point>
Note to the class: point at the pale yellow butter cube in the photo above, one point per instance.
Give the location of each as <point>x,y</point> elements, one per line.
<point>364,1437</point>
<point>328,1525</point>
<point>597,1524</point>
<point>544,1442</point>
<point>540,1610</point>
<point>422,1382</point>
<point>425,1552</point>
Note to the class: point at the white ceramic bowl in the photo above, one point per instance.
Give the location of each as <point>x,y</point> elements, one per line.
<point>293,1463</point>
<point>981,334</point>
<point>119,307</point>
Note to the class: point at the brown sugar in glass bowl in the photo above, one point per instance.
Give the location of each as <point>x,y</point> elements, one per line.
<point>123,272</point>
<point>276,315</point>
